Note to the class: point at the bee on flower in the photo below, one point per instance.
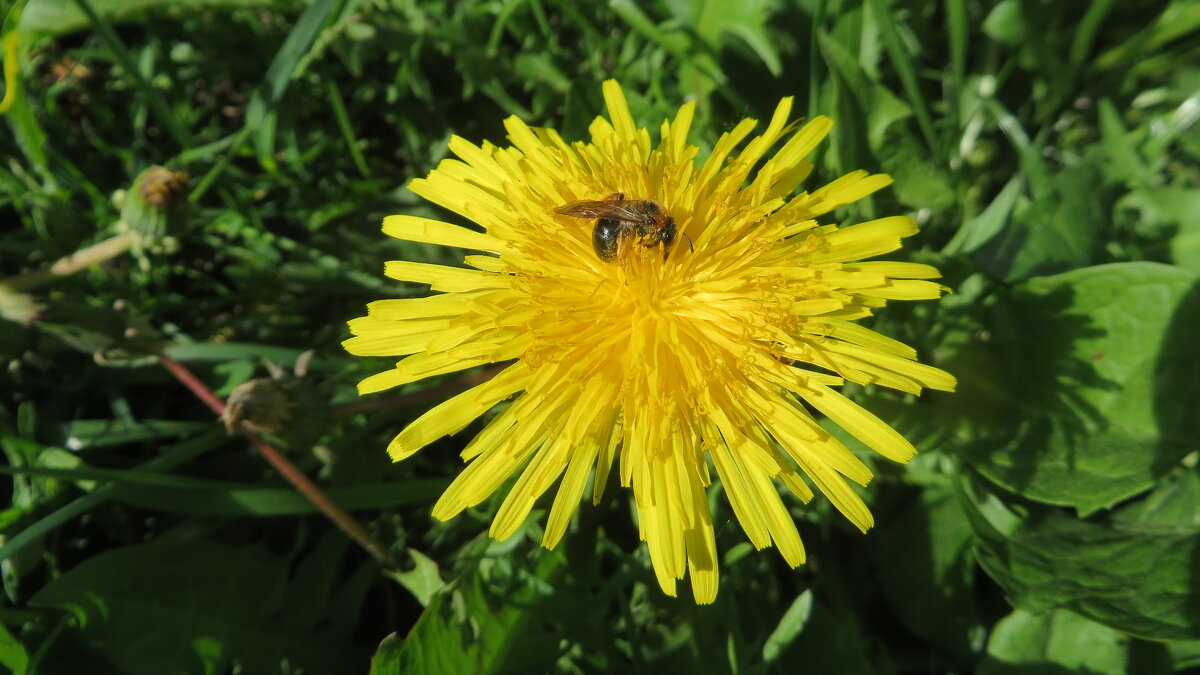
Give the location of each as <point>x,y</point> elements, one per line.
<point>671,317</point>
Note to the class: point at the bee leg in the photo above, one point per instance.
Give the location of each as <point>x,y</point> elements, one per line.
<point>691,249</point>
<point>622,245</point>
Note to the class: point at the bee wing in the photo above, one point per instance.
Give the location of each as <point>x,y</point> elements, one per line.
<point>612,210</point>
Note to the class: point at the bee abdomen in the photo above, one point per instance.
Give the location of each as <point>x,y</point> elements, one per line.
<point>606,238</point>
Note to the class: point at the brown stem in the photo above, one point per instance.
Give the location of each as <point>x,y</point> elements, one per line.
<point>301,482</point>
<point>68,265</point>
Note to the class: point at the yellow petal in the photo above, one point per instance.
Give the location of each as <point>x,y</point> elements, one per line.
<point>442,278</point>
<point>858,422</point>
<point>455,413</point>
<point>412,228</point>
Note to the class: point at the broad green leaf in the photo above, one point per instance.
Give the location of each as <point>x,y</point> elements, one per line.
<point>315,580</point>
<point>1170,208</point>
<point>1059,642</point>
<point>1186,245</point>
<point>919,183</point>
<point>833,642</point>
<point>1060,230</point>
<point>1164,205</point>
<point>540,68</point>
<point>886,110</point>
<point>1132,570</point>
<point>194,606</point>
<point>1185,653</point>
<point>423,580</point>
<point>846,65</point>
<point>1124,162</point>
<point>481,625</point>
<point>1098,397</point>
<point>926,568</point>
<point>28,134</point>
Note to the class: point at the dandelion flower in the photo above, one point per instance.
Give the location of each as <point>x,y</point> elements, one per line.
<point>672,362</point>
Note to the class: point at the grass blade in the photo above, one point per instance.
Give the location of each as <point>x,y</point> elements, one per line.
<point>905,69</point>
<point>958,30</point>
<point>181,453</point>
<point>162,112</point>
<point>343,120</point>
<point>274,84</point>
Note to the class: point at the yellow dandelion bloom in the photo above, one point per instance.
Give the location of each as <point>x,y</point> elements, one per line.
<point>704,351</point>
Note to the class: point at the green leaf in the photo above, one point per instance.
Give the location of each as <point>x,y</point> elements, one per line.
<point>423,580</point>
<point>746,20</point>
<point>885,111</point>
<point>269,93</point>
<point>1132,570</point>
<point>388,657</point>
<point>1098,397</point>
<point>58,17</point>
<point>279,73</point>
<point>1170,206</point>
<point>163,113</point>
<point>12,653</point>
<point>1185,653</point>
<point>790,625</point>
<point>833,642</point>
<point>1186,246</point>
<point>483,625</point>
<point>1058,231</point>
<point>905,68</point>
<point>285,357</point>
<point>1085,33</point>
<point>926,568</point>
<point>188,607</point>
<point>1177,20</point>
<point>226,501</point>
<point>172,456</point>
<point>1124,162</point>
<point>919,183</point>
<point>1060,642</point>
<point>1006,23</point>
<point>88,434</point>
<point>977,231</point>
<point>958,32</point>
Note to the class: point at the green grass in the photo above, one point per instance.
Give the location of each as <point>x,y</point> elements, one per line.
<point>1049,151</point>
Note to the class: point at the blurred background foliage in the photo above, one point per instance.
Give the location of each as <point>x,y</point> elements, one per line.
<point>1048,148</point>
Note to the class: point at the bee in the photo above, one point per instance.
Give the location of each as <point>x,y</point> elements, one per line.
<point>618,219</point>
